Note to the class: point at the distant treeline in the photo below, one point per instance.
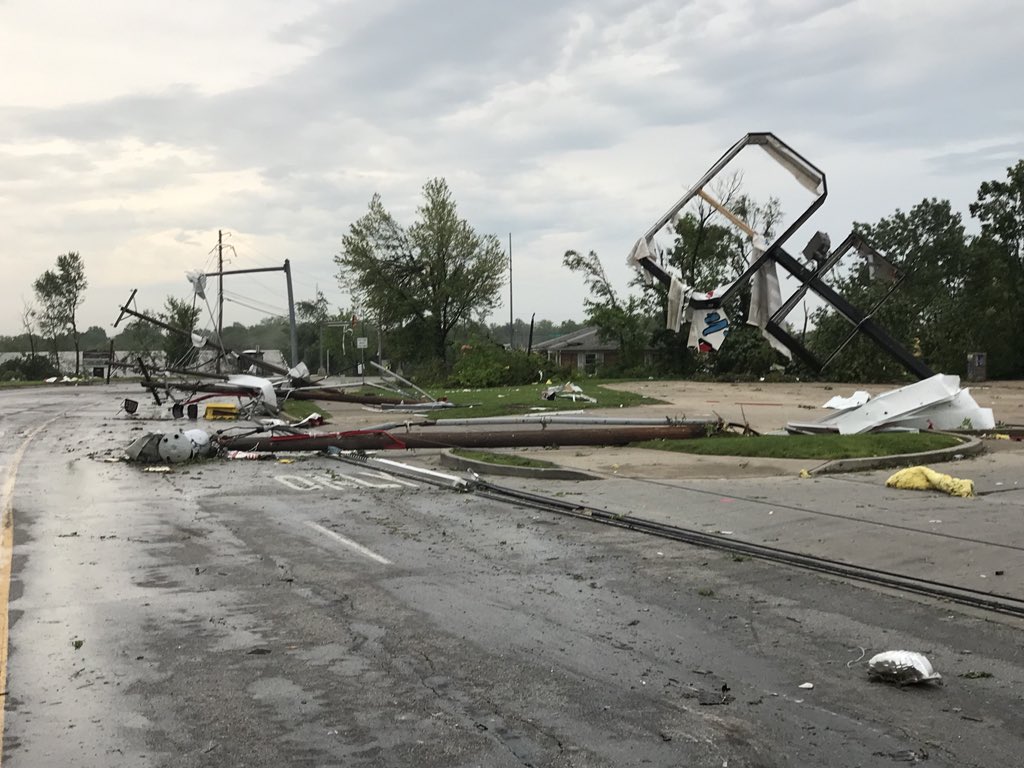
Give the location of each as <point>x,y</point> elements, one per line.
<point>271,333</point>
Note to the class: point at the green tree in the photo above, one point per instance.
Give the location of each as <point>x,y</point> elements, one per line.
<point>311,315</point>
<point>437,273</point>
<point>998,275</point>
<point>94,338</point>
<point>626,320</point>
<point>139,336</point>
<point>60,293</point>
<point>178,349</point>
<point>316,310</point>
<point>927,312</point>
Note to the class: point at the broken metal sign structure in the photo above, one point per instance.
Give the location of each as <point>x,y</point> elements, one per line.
<point>705,310</point>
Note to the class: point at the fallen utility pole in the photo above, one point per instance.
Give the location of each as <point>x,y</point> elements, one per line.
<point>374,440</point>
<point>343,397</point>
<point>127,310</point>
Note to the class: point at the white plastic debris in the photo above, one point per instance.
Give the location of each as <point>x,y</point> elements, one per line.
<point>902,667</point>
<point>806,686</point>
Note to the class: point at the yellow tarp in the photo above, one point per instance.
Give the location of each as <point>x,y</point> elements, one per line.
<point>925,479</point>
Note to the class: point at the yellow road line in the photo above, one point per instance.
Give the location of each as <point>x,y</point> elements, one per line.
<point>6,555</point>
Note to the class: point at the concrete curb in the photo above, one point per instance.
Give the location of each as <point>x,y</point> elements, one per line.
<point>971,446</point>
<point>484,468</point>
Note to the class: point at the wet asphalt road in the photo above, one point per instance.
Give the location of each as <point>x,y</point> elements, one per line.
<point>315,613</point>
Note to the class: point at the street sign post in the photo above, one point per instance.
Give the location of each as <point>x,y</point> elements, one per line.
<point>361,343</point>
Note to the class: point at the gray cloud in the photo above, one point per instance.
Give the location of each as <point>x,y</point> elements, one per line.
<point>571,124</point>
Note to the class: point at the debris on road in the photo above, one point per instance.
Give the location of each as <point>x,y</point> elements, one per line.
<point>250,455</point>
<point>902,668</point>
<point>806,686</point>
<point>975,675</point>
<point>925,479</point>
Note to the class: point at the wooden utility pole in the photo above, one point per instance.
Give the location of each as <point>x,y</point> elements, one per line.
<point>291,313</point>
<point>511,321</point>
<point>220,293</point>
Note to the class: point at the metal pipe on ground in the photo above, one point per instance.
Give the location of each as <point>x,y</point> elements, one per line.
<point>362,440</point>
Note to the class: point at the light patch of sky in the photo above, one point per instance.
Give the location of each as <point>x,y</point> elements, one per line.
<point>70,52</point>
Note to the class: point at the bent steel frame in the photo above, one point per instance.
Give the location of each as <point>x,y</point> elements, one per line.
<point>813,179</point>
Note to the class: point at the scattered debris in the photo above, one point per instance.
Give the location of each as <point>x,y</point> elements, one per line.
<point>923,479</point>
<point>904,756</point>
<point>77,644</point>
<point>806,686</point>
<point>568,391</point>
<point>252,455</point>
<point>708,698</point>
<point>902,668</point>
<point>975,675</point>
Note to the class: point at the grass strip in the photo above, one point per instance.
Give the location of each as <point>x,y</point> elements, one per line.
<point>504,459</point>
<point>526,398</point>
<point>821,447</point>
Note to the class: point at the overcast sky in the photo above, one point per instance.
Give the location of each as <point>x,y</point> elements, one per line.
<point>132,131</point>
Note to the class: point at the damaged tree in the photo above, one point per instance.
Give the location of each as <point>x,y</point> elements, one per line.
<point>60,293</point>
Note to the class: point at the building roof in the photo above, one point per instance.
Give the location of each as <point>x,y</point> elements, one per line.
<point>584,340</point>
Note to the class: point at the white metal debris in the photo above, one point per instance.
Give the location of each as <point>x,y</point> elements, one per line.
<point>902,667</point>
<point>265,387</point>
<point>935,403</point>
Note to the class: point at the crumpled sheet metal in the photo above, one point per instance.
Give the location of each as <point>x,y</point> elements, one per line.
<point>902,667</point>
<point>926,479</point>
